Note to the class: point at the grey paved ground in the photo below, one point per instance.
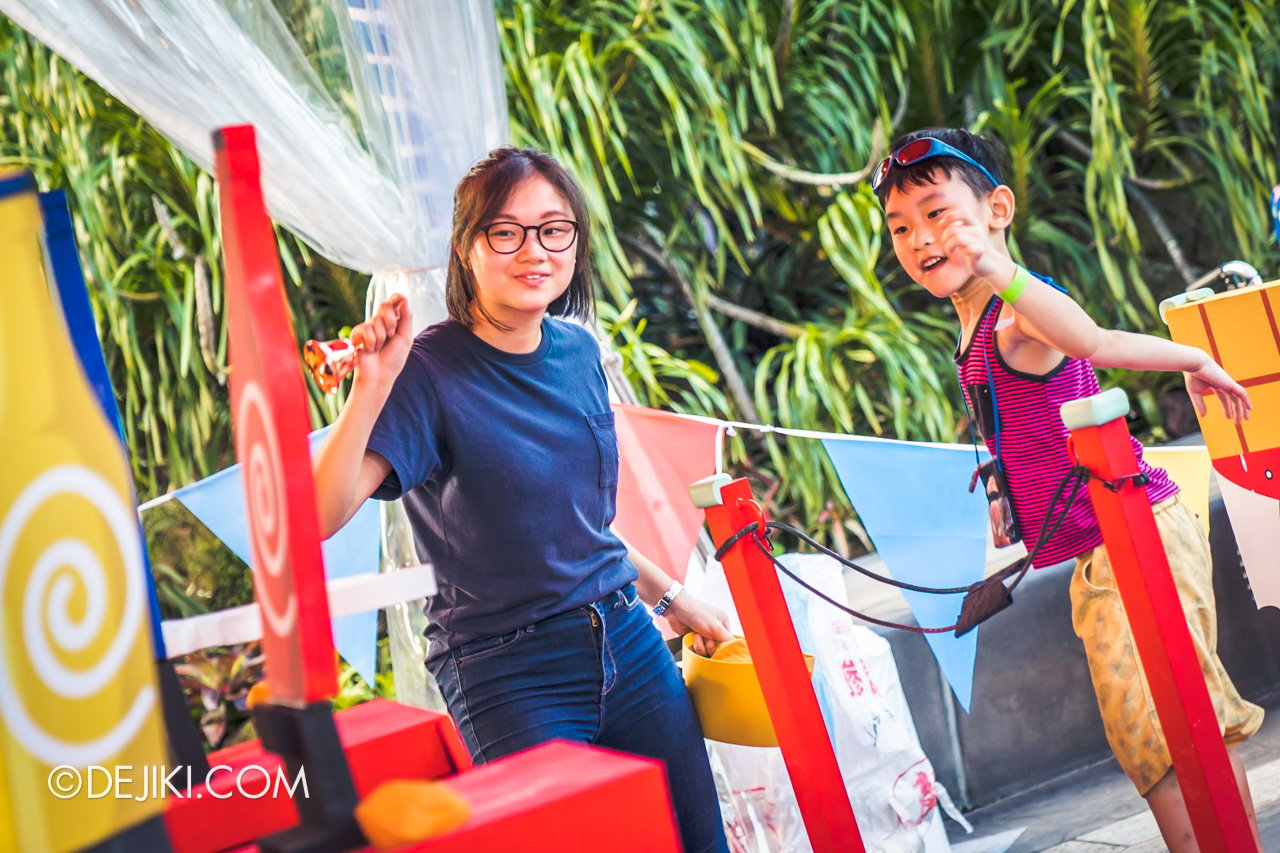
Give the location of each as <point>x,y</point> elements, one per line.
<point>1096,810</point>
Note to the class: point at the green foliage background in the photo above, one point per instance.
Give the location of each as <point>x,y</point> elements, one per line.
<point>722,146</point>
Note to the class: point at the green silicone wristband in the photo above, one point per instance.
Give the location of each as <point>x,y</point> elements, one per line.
<point>1021,279</point>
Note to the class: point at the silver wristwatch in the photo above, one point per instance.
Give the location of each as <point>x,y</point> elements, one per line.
<point>669,596</point>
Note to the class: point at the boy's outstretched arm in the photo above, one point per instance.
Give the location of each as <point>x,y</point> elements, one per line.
<point>1049,316</point>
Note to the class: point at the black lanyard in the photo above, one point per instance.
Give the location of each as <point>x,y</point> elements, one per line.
<point>991,391</point>
<point>991,383</point>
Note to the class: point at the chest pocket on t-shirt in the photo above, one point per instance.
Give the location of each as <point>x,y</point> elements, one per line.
<point>607,443</point>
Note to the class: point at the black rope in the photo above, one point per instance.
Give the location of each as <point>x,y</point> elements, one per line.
<point>800,534</point>
<point>764,549</point>
<point>982,599</point>
<point>1139,479</point>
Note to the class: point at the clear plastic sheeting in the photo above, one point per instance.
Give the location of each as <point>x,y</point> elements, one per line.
<point>407,621</point>
<point>367,112</point>
<point>432,72</point>
<point>360,161</point>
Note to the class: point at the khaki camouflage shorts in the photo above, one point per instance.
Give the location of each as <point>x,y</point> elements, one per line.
<point>1124,697</point>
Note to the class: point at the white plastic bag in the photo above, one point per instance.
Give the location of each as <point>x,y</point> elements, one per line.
<point>890,781</point>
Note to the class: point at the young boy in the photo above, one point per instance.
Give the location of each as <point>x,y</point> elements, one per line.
<point>1025,348</point>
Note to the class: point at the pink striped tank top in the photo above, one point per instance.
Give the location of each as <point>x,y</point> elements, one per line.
<point>1032,438</point>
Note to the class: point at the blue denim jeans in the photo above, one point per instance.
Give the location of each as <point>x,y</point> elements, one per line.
<point>599,675</point>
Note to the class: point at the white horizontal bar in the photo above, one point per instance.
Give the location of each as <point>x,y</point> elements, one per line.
<point>243,624</point>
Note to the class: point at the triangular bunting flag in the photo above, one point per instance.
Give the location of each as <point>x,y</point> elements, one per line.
<point>218,501</point>
<point>662,455</point>
<point>914,502</point>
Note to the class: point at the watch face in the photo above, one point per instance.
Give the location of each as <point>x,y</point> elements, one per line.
<point>667,597</point>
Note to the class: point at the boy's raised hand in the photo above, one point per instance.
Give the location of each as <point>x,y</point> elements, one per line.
<point>1210,378</point>
<point>967,241</point>
<point>384,340</point>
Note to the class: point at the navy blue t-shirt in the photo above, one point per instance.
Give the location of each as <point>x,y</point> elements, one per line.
<point>508,465</point>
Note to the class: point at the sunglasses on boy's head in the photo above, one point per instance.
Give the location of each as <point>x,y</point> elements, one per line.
<point>922,149</point>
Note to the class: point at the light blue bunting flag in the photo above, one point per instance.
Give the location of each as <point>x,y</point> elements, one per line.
<point>914,501</point>
<point>218,501</point>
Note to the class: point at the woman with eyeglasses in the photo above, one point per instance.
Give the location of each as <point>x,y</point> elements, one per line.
<point>494,426</point>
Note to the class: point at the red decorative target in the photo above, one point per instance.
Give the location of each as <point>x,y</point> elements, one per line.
<point>268,528</point>
<point>269,412</point>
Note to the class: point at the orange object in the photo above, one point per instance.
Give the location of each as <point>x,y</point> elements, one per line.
<point>1100,441</point>
<point>405,810</point>
<point>329,362</point>
<point>784,678</point>
<point>271,422</point>
<point>383,740</point>
<point>259,692</point>
<point>734,651</point>
<point>1241,330</point>
<point>562,797</point>
<point>726,694</point>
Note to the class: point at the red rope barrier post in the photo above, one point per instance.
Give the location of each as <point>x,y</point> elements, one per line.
<point>1100,442</point>
<point>779,663</point>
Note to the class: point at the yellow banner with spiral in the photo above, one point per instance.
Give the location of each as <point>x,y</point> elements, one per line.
<point>80,720</point>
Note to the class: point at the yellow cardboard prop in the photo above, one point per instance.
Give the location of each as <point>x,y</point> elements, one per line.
<point>81,736</point>
<point>1241,330</point>
<point>1189,467</point>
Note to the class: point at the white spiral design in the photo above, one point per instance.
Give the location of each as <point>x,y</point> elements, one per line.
<point>46,615</point>
<point>268,519</point>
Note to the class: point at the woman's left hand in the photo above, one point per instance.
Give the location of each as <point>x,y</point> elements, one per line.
<point>710,625</point>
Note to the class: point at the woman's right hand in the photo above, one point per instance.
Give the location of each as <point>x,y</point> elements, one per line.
<point>345,471</point>
<point>385,339</point>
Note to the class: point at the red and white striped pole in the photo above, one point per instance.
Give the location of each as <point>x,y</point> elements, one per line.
<point>1100,442</point>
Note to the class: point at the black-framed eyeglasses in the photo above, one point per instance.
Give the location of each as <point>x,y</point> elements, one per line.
<point>506,238</point>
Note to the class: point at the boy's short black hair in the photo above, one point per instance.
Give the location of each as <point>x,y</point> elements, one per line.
<point>988,152</point>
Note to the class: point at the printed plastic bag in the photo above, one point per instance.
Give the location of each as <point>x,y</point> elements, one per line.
<point>890,781</point>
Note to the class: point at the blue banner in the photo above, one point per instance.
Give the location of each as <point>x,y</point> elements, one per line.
<point>914,501</point>
<point>218,501</point>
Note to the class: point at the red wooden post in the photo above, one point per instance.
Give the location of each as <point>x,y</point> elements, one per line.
<point>1100,442</point>
<point>784,678</point>
<point>269,412</point>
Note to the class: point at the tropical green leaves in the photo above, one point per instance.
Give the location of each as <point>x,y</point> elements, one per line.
<point>723,148</point>
<point>147,228</point>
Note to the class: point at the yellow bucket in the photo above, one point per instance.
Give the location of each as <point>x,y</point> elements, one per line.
<point>728,698</point>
